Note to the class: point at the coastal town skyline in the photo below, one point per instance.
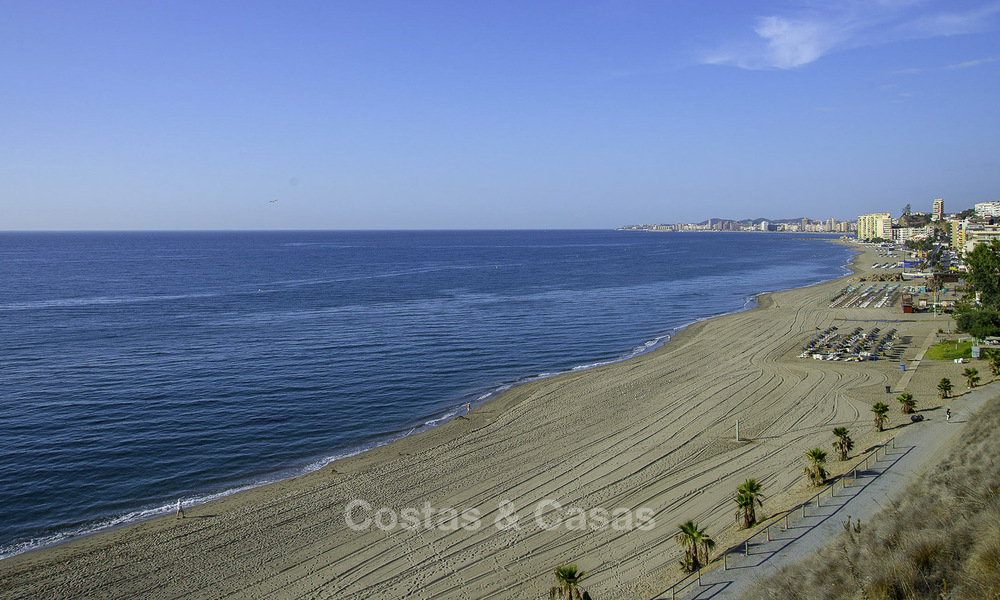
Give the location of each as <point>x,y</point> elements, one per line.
<point>829,225</point>
<point>803,224</point>
<point>390,115</point>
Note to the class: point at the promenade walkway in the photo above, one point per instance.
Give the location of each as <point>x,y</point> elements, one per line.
<point>859,495</point>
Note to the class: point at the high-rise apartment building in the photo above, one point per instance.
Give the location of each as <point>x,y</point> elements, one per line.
<point>957,234</point>
<point>876,225</point>
<point>938,211</point>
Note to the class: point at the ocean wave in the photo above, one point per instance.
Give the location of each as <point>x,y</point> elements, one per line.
<point>118,520</point>
<point>100,300</point>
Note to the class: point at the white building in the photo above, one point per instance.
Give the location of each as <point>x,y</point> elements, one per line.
<point>987,209</point>
<point>938,211</point>
<point>903,234</point>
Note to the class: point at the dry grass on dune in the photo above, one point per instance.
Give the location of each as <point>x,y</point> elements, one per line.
<point>940,539</point>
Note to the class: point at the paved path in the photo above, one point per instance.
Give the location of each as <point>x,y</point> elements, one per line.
<point>916,448</point>
<point>912,368</point>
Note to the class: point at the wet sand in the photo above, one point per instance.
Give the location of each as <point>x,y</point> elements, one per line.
<point>651,436</point>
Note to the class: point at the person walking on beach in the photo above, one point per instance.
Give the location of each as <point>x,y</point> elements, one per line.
<point>468,408</point>
<point>947,415</point>
<point>180,510</point>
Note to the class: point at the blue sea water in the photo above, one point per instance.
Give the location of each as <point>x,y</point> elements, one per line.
<point>138,367</point>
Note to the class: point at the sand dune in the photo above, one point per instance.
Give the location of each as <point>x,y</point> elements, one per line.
<point>656,433</point>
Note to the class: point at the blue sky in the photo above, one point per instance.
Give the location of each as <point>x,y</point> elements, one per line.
<point>443,115</point>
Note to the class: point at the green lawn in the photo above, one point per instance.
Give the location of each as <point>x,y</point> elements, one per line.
<point>949,350</point>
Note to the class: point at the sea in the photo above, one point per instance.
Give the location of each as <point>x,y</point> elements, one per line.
<point>139,368</point>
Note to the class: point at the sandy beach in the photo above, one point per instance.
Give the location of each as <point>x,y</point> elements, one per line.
<point>637,447</point>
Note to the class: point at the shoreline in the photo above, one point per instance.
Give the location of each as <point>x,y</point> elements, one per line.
<point>650,418</point>
<point>142,514</point>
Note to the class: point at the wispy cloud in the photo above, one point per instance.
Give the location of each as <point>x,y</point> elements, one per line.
<point>814,30</point>
<point>795,43</point>
<point>972,63</point>
<point>946,23</point>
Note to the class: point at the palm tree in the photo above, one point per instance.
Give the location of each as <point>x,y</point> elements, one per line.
<point>944,387</point>
<point>697,545</point>
<point>815,470</point>
<point>971,375</point>
<point>994,357</point>
<point>569,580</point>
<point>748,497</point>
<point>844,443</point>
<point>906,403</point>
<point>881,409</point>
<point>706,544</point>
<point>688,539</point>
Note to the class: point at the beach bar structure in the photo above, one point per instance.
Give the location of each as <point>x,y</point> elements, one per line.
<point>907,303</point>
